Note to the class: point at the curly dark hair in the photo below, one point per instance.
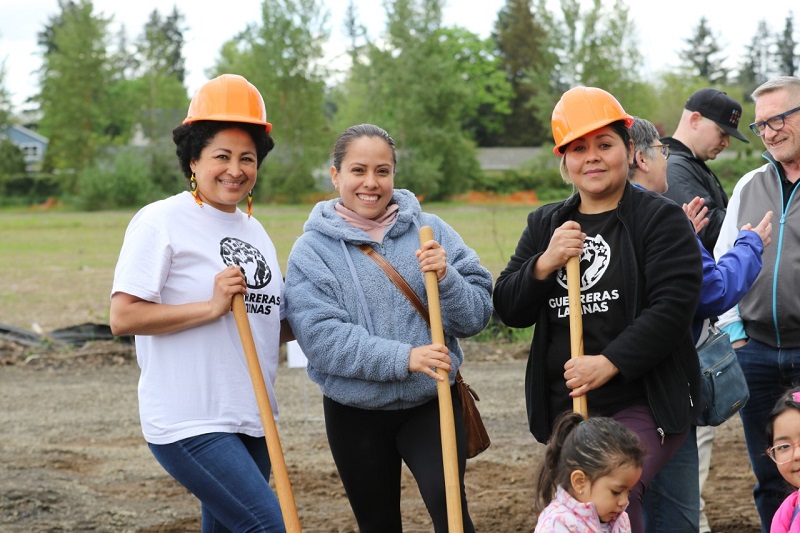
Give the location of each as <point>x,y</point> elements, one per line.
<point>190,139</point>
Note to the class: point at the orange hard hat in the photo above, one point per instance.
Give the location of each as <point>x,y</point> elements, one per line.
<point>228,98</point>
<point>581,110</point>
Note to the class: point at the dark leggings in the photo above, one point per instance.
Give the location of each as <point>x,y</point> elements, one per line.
<point>368,447</point>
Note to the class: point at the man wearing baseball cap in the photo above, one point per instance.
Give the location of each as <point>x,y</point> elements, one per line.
<point>709,119</point>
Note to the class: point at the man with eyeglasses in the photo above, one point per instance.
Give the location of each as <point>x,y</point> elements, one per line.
<point>708,121</point>
<point>672,500</point>
<point>765,326</point>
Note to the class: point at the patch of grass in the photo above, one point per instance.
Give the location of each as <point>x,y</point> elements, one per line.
<point>496,332</point>
<point>57,265</point>
<point>491,230</point>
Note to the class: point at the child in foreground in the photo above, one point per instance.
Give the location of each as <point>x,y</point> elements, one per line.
<point>589,469</point>
<point>783,434</point>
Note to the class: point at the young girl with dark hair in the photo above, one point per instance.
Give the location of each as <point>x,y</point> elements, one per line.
<point>589,470</point>
<point>783,434</point>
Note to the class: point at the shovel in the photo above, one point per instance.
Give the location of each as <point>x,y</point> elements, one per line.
<point>446,422</point>
<point>579,404</point>
<point>282,485</point>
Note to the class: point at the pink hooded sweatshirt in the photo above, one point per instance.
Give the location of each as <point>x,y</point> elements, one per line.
<point>782,521</point>
<point>565,514</point>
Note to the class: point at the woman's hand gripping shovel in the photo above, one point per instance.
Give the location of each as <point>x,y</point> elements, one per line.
<point>446,422</point>
<point>579,404</point>
<point>282,485</point>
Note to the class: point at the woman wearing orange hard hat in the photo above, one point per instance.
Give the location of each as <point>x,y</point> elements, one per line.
<point>640,276</point>
<point>182,261</point>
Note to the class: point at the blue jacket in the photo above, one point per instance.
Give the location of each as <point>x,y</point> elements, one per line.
<point>727,281</point>
<point>355,327</point>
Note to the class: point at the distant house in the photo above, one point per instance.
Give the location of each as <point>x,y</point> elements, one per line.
<point>32,144</point>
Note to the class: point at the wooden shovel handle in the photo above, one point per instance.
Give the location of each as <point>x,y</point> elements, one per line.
<point>446,422</point>
<point>282,485</point>
<point>579,404</point>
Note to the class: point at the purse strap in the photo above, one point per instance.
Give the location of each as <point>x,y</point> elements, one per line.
<point>398,280</point>
<point>409,293</point>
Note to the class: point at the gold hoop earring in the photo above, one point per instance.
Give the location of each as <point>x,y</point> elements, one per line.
<point>250,203</point>
<point>193,186</point>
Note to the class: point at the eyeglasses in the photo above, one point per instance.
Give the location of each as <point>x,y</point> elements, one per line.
<point>782,453</point>
<point>775,123</point>
<point>664,149</point>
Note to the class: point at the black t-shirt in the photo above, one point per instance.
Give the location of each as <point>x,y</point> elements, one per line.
<point>603,293</point>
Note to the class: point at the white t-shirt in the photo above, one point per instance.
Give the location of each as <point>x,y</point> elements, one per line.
<point>196,381</point>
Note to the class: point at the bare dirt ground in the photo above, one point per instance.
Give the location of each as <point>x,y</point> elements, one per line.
<point>72,457</point>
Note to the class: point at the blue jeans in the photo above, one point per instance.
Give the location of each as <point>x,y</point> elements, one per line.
<point>229,474</point>
<point>672,500</point>
<point>769,372</point>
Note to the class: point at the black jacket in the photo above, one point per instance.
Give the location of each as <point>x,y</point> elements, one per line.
<point>689,176</point>
<point>663,262</point>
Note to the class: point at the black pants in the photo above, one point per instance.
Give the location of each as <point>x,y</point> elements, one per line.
<point>368,447</point>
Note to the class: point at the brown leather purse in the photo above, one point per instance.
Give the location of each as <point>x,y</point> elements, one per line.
<point>477,436</point>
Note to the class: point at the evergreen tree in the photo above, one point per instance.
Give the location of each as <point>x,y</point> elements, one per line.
<point>161,74</point>
<point>12,161</point>
<point>521,45</point>
<point>785,46</point>
<point>702,55</point>
<point>354,30</point>
<point>755,67</point>
<point>5,98</point>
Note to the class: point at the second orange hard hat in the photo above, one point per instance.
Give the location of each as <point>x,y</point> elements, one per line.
<point>582,110</point>
<point>228,98</point>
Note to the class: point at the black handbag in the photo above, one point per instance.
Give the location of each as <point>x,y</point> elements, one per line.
<point>723,382</point>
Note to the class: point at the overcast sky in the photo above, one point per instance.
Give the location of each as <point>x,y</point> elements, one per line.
<point>661,28</point>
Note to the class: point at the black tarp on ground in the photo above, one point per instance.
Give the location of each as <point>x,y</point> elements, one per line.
<point>70,336</point>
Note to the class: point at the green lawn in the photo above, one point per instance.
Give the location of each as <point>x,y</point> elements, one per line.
<point>57,265</point>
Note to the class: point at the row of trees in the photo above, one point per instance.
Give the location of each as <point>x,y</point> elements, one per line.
<point>440,91</point>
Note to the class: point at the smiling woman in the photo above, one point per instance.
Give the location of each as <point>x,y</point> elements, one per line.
<point>639,261</point>
<point>182,261</point>
<point>225,172</point>
<point>368,348</point>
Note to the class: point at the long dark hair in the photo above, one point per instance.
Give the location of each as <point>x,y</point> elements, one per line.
<point>596,446</point>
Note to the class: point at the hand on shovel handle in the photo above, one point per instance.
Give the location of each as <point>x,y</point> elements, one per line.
<point>282,485</point>
<point>447,426</point>
<point>579,404</point>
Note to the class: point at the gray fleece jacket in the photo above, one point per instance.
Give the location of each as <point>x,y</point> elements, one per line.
<point>770,311</point>
<point>355,327</point>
